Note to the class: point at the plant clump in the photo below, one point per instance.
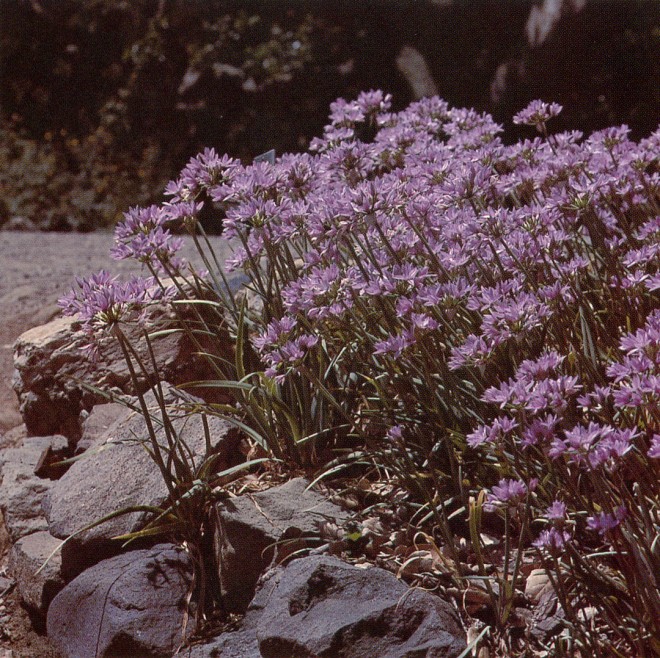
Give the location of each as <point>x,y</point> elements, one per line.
<point>471,325</point>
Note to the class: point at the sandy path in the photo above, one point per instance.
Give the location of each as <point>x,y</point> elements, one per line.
<point>35,270</point>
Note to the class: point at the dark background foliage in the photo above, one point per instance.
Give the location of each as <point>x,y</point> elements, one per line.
<point>101,101</point>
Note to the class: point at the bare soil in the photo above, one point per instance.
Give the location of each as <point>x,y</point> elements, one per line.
<point>35,270</point>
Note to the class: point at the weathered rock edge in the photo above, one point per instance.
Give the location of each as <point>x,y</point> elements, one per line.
<point>116,472</point>
<point>50,367</point>
<point>322,607</point>
<point>133,604</point>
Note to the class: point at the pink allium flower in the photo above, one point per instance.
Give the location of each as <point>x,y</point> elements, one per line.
<point>552,539</point>
<point>604,522</point>
<point>537,113</point>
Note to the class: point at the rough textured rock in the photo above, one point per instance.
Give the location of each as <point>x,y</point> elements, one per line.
<point>116,472</point>
<point>251,525</point>
<point>50,363</point>
<point>38,581</point>
<point>21,491</point>
<point>97,423</point>
<point>321,607</point>
<point>36,269</point>
<point>130,605</point>
<point>239,644</point>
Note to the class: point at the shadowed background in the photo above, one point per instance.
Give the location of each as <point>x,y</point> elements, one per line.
<point>102,101</point>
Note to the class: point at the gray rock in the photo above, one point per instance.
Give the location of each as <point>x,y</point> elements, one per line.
<point>324,607</point>
<point>117,472</point>
<point>250,526</point>
<point>13,437</point>
<point>22,491</point>
<point>38,581</point>
<point>50,363</point>
<point>239,644</point>
<point>96,425</point>
<point>130,605</point>
<point>321,607</point>
<point>51,464</point>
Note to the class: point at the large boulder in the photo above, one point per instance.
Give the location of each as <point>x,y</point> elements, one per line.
<point>116,472</point>
<point>50,364</point>
<point>256,525</point>
<point>133,604</point>
<point>321,607</point>
<point>22,490</point>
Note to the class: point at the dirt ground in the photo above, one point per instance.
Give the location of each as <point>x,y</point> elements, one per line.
<point>35,270</point>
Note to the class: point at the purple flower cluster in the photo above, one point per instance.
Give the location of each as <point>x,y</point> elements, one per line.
<point>637,376</point>
<point>431,229</point>
<point>604,522</point>
<point>537,113</point>
<point>554,538</point>
<point>283,352</point>
<point>509,493</point>
<point>346,117</point>
<point>547,420</point>
<point>143,236</point>
<point>202,172</point>
<point>418,237</point>
<point>449,285</point>
<point>101,301</point>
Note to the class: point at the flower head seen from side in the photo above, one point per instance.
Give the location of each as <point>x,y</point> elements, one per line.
<point>654,450</point>
<point>281,349</point>
<point>501,428</point>
<point>101,301</point>
<point>395,435</point>
<point>604,522</point>
<point>143,236</point>
<point>556,511</point>
<point>553,540</point>
<point>537,113</point>
<point>508,493</point>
